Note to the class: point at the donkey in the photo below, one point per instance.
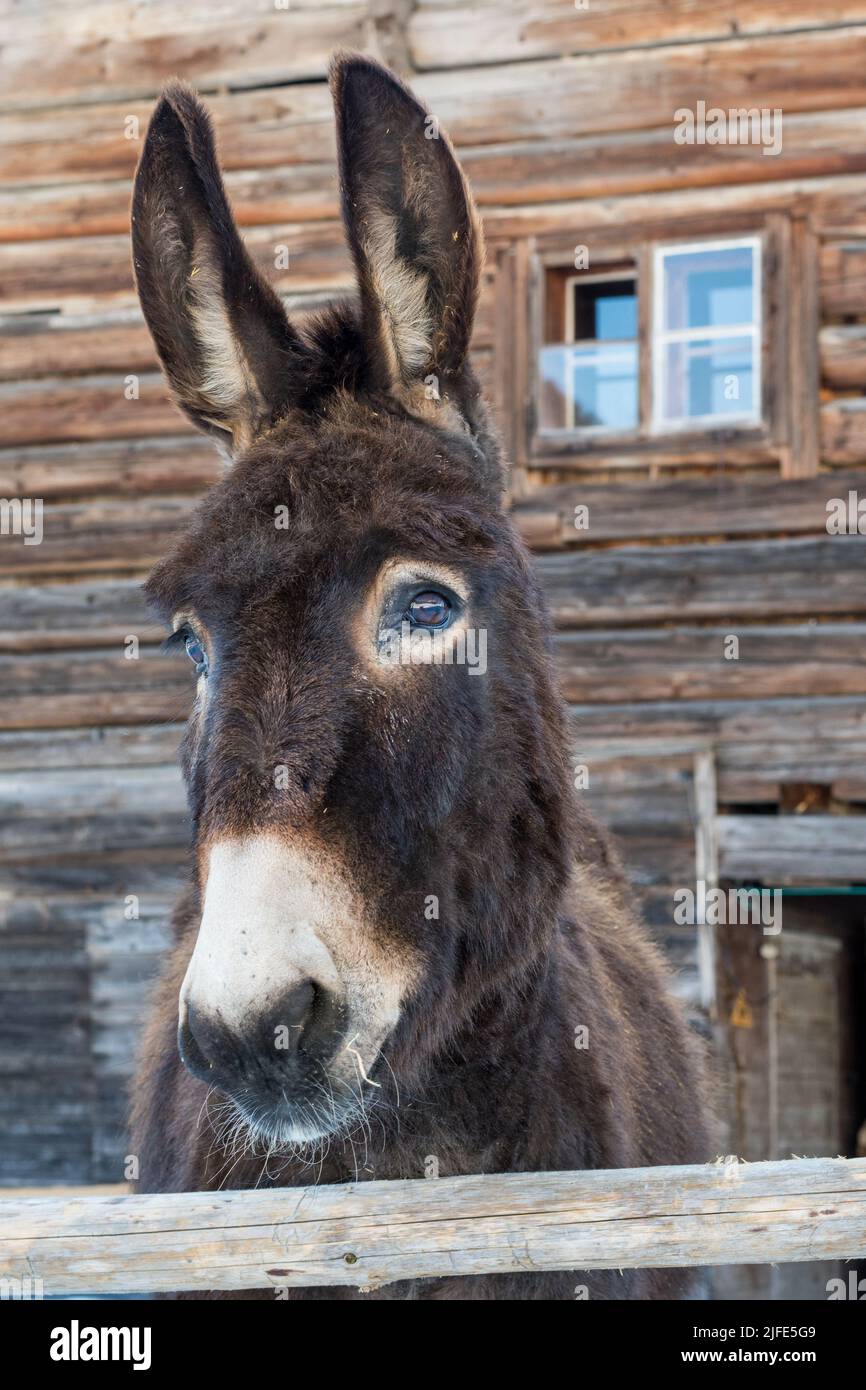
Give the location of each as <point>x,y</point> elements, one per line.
<point>403,941</point>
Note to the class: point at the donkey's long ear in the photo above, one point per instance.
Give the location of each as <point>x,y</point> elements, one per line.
<point>220,330</point>
<point>411,223</point>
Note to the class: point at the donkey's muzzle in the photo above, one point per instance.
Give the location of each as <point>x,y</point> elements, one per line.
<point>277,1057</point>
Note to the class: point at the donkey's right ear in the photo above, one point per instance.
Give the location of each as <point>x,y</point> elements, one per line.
<point>221,332</point>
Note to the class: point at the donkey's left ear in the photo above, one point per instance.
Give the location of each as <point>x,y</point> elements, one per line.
<point>412,226</point>
<point>227,348</point>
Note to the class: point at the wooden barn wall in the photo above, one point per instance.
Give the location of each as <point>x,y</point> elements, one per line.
<point>563,120</point>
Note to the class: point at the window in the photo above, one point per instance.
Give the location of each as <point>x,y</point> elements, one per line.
<point>589,374</point>
<point>707,334</point>
<point>662,339</point>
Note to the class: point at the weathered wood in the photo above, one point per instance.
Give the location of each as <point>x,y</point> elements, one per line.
<point>837,205</point>
<point>109,468</point>
<point>86,274</point>
<point>689,663</point>
<point>44,690</point>
<point>685,507</point>
<point>89,613</point>
<point>800,369</point>
<point>104,746</point>
<point>843,278</point>
<point>743,579</point>
<point>513,172</point>
<point>843,430</point>
<point>792,849</point>
<point>90,811</point>
<point>725,721</point>
<point>96,536</point>
<point>369,1234</point>
<point>117,50</point>
<point>441,35</point>
<point>88,408</point>
<point>843,355</point>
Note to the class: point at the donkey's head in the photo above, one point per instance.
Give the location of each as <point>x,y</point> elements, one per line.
<point>373,794</point>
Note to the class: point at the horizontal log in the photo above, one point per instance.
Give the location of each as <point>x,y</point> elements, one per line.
<point>513,172</point>
<point>87,408</point>
<point>89,274</point>
<point>752,772</point>
<point>792,849</point>
<point>129,51</point>
<point>161,870</point>
<point>843,431</point>
<point>370,1234</point>
<point>736,581</point>
<point>114,467</point>
<point>723,724</point>
<point>842,353</point>
<point>441,35</point>
<point>684,507</point>
<point>688,663</point>
<point>105,746</point>
<point>842,275</point>
<point>836,204</point>
<point>90,811</point>
<point>84,613</point>
<point>44,690</point>
<point>84,274</point>
<point>100,535</point>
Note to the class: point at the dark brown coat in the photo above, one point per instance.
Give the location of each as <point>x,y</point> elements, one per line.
<point>366,432</point>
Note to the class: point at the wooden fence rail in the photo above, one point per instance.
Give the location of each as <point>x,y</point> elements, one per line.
<point>369,1234</point>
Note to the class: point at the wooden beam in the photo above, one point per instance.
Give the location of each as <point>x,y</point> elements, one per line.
<point>738,581</point>
<point>792,849</point>
<point>842,351</point>
<point>723,505</point>
<point>117,50</point>
<point>785,722</point>
<point>369,1234</point>
<point>689,663</point>
<point>801,377</point>
<point>441,35</point>
<point>843,431</point>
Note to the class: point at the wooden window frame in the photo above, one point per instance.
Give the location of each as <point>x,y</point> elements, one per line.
<point>738,443</point>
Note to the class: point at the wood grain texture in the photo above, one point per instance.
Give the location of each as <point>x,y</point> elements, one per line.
<point>741,580</point>
<point>792,849</point>
<point>715,507</point>
<point>369,1234</point>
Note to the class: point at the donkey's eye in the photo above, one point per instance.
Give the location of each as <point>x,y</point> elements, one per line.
<point>196,653</point>
<point>429,610</point>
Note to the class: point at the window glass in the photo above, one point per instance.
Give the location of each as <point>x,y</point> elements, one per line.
<point>707,339</point>
<point>589,387</point>
<point>589,366</point>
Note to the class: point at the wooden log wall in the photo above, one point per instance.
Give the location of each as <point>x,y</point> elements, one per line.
<point>563,120</point>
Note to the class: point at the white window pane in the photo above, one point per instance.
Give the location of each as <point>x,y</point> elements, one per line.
<point>707,377</point>
<point>591,386</point>
<point>709,289</point>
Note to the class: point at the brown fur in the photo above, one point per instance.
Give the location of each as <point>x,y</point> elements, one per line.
<point>455,786</point>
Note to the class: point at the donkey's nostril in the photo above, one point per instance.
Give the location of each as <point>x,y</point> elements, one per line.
<point>309,1022</point>
<point>190,1051</point>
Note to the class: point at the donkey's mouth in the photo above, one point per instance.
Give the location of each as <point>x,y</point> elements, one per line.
<point>267,1127</point>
